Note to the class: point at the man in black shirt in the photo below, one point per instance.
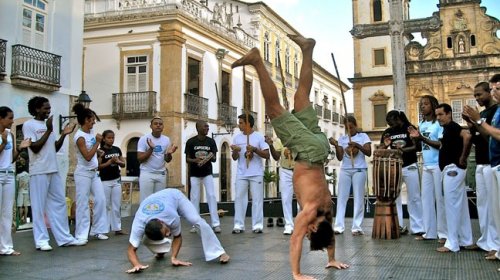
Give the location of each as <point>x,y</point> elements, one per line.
<point>200,152</point>
<point>453,162</point>
<point>484,176</point>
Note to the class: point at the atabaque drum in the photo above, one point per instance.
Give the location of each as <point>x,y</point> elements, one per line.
<point>387,174</point>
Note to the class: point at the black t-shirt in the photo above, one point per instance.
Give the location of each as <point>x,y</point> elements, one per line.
<point>112,171</point>
<point>481,145</point>
<point>452,145</point>
<point>401,138</point>
<point>196,148</point>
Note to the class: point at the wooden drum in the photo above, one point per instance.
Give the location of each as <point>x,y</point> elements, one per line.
<point>387,166</point>
<point>387,174</point>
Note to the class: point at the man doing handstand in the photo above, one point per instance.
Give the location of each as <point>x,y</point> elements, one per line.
<point>299,131</point>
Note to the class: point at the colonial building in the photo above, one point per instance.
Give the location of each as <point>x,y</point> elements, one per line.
<point>462,49</point>
<point>41,54</point>
<point>172,58</point>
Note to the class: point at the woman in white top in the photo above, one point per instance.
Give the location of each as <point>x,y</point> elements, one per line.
<point>87,179</point>
<point>8,154</point>
<point>352,171</point>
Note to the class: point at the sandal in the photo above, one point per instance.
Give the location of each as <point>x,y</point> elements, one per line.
<point>357,233</point>
<point>443,250</point>
<point>13,254</point>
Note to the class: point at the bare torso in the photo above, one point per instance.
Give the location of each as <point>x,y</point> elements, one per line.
<point>310,186</point>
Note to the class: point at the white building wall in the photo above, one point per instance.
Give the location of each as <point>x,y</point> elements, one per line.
<point>64,30</point>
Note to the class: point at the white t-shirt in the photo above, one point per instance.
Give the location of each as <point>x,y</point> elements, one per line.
<point>161,205</point>
<point>45,161</point>
<point>6,154</point>
<point>359,160</point>
<point>156,162</point>
<point>256,165</point>
<point>81,163</point>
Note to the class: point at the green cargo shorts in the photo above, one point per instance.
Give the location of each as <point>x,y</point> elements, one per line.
<point>301,134</point>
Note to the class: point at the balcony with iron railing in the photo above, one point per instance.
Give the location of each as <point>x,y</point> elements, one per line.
<point>3,54</point>
<point>252,113</point>
<point>134,105</point>
<point>319,110</point>
<point>335,117</point>
<point>342,120</point>
<point>196,106</point>
<point>327,115</point>
<point>35,68</point>
<point>227,114</point>
<point>288,79</point>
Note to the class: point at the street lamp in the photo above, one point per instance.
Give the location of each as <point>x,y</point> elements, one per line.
<point>83,99</point>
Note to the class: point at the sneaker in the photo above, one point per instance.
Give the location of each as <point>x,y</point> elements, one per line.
<point>76,242</point>
<point>403,230</point>
<point>101,236</point>
<point>193,230</point>
<point>270,222</point>
<point>217,229</point>
<point>237,231</point>
<point>280,222</point>
<point>44,247</point>
<point>288,231</point>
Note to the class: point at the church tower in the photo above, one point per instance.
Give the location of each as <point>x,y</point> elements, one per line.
<point>461,50</point>
<point>373,73</point>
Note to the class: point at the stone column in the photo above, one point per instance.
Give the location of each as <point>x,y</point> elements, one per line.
<point>396,26</point>
<point>172,40</point>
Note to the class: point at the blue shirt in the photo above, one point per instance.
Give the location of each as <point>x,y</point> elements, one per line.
<point>430,130</point>
<point>494,144</point>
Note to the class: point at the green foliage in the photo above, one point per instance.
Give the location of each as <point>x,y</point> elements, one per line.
<point>270,176</point>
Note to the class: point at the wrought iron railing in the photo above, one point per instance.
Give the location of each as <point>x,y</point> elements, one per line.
<point>335,117</point>
<point>342,120</point>
<point>319,110</point>
<point>196,105</point>
<point>327,115</point>
<point>36,65</point>
<point>134,105</point>
<point>227,114</point>
<point>3,52</point>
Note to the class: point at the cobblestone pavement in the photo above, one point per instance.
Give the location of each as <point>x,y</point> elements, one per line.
<point>254,256</point>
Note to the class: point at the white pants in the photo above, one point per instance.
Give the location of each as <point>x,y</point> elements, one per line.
<point>113,194</point>
<point>495,202</point>
<point>151,182</point>
<point>484,185</point>
<point>47,197</point>
<point>433,203</point>
<point>7,194</point>
<point>211,245</point>
<point>457,208</point>
<point>255,183</point>
<point>412,182</point>
<point>356,177</point>
<point>87,182</point>
<point>208,182</point>
<point>286,188</point>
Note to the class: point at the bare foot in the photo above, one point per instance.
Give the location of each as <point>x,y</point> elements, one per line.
<point>252,57</point>
<point>305,44</point>
<point>224,258</point>
<point>443,250</point>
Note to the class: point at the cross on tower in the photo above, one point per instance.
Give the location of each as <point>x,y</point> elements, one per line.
<point>397,28</point>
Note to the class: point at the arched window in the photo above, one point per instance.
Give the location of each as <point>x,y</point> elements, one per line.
<point>377,10</point>
<point>287,60</point>
<point>296,65</point>
<point>277,52</point>
<point>267,44</point>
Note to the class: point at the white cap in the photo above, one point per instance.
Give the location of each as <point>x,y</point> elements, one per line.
<point>158,246</point>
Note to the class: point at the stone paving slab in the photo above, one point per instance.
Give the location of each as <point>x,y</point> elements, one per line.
<point>254,256</point>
